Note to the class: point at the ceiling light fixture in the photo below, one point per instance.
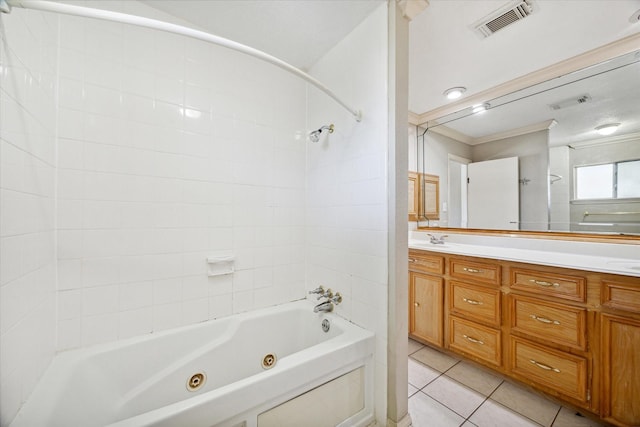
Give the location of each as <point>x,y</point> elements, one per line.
<point>480,108</point>
<point>455,92</point>
<point>607,129</point>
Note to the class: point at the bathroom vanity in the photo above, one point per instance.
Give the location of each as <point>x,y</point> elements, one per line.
<point>561,319</point>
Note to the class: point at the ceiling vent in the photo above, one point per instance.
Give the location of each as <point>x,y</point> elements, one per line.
<point>571,102</point>
<point>512,12</point>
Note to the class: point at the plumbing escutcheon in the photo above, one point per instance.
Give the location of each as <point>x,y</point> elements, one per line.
<point>327,294</point>
<point>337,298</point>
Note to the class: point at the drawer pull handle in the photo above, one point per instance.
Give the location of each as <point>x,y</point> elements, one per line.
<point>473,340</point>
<point>545,367</point>
<point>545,284</point>
<point>413,260</point>
<point>471,270</point>
<point>472,302</point>
<point>544,320</point>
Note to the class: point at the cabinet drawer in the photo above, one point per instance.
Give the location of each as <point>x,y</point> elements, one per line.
<point>563,372</point>
<point>544,283</point>
<point>557,323</point>
<point>475,340</point>
<point>624,296</point>
<point>477,271</point>
<point>427,263</point>
<point>476,302</point>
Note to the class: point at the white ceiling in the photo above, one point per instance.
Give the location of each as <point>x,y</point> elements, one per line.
<point>296,31</point>
<point>611,89</point>
<point>445,52</point>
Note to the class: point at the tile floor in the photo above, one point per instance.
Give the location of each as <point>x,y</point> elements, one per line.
<point>445,391</point>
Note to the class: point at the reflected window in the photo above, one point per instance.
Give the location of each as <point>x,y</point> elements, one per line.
<point>608,181</point>
<point>629,179</point>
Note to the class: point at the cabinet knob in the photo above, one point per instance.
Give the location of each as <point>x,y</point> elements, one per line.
<point>417,304</point>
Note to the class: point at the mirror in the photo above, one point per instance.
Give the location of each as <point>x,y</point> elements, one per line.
<point>567,176</point>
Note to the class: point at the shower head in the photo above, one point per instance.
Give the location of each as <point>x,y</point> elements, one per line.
<point>314,136</point>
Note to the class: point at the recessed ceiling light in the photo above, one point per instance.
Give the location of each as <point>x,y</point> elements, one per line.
<point>480,108</point>
<point>607,129</point>
<point>635,17</point>
<point>454,92</point>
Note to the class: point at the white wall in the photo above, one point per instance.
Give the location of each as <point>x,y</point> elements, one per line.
<point>27,190</point>
<point>347,202</point>
<point>436,150</point>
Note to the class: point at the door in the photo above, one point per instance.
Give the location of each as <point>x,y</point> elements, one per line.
<point>426,311</point>
<point>457,206</point>
<point>493,194</point>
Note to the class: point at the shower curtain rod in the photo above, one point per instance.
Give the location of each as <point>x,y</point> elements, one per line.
<point>5,6</point>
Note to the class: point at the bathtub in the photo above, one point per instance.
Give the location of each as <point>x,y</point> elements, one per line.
<point>225,372</point>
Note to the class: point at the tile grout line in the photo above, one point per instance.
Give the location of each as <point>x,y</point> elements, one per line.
<point>483,402</point>
<point>513,410</point>
<point>556,417</point>
<point>488,397</point>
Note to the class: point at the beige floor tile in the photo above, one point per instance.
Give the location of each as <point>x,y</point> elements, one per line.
<point>474,377</point>
<point>454,395</point>
<point>426,412</point>
<point>411,390</point>
<point>492,414</point>
<point>529,404</point>
<point>438,361</point>
<point>469,424</point>
<point>414,346</point>
<point>420,375</point>
<point>568,418</point>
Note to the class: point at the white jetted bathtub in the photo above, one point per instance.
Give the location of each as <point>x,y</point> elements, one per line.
<point>271,367</point>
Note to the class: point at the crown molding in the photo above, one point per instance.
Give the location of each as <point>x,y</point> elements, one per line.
<point>536,127</point>
<point>412,8</point>
<point>606,141</point>
<point>414,119</point>
<point>453,134</point>
<point>469,140</point>
<point>603,53</point>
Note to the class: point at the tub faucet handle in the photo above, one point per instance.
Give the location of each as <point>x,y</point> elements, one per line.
<point>337,298</point>
<point>318,290</point>
<point>327,294</point>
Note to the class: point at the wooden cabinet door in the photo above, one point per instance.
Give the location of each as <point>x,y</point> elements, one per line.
<point>414,196</point>
<point>426,307</point>
<point>620,373</point>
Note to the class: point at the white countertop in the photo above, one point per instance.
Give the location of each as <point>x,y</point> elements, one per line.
<point>616,258</point>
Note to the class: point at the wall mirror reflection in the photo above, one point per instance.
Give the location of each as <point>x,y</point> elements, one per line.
<point>563,155</point>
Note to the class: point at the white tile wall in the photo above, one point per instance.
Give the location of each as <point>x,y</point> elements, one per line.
<point>169,150</point>
<point>27,176</point>
<point>346,221</point>
<point>168,155</point>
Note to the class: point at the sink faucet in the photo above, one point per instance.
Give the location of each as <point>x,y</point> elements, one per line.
<point>436,240</point>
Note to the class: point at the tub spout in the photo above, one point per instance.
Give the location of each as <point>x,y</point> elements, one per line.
<point>324,307</point>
